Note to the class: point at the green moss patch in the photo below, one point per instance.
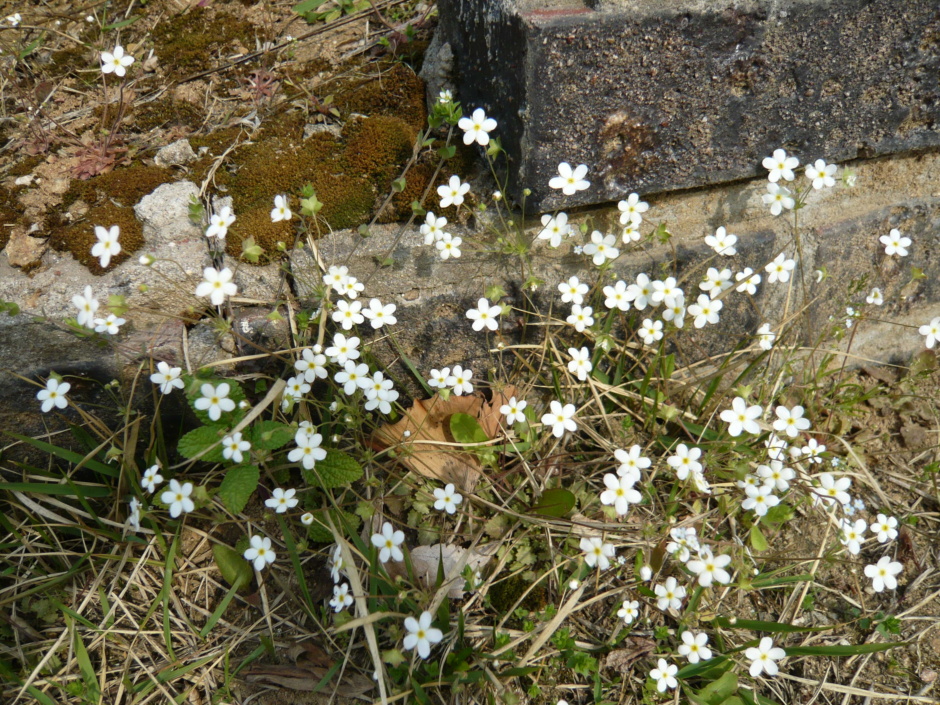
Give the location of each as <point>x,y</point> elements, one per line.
<point>391,89</point>
<point>124,186</point>
<point>80,238</point>
<point>167,112</point>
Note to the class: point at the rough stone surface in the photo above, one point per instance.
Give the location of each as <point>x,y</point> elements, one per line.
<point>656,96</point>
<point>23,250</point>
<point>178,153</point>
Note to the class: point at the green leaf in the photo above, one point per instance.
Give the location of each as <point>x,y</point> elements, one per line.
<point>197,440</point>
<point>757,539</point>
<point>319,530</point>
<point>302,8</point>
<point>398,185</point>
<point>237,487</point>
<point>779,514</point>
<point>232,565</point>
<point>270,435</point>
<point>466,429</point>
<point>718,691</point>
<point>335,470</point>
<point>554,503</point>
<point>757,625</point>
<point>841,650</point>
<point>235,393</point>
<point>447,152</point>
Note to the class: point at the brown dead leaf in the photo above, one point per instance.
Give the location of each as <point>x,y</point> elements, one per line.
<point>636,648</point>
<point>311,664</point>
<point>426,561</point>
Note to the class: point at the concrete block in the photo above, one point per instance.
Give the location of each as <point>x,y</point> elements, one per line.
<point>659,96</point>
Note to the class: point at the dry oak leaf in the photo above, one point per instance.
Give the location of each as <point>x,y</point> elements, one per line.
<point>426,561</point>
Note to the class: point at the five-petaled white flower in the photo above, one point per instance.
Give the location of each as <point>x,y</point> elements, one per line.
<point>312,364</point>
<point>573,291</point>
<point>433,228</point>
<point>281,210</point>
<point>651,331</point>
<point>110,325</point>
<point>347,313</point>
<point>569,180</point>
<point>749,281</point>
<point>477,127</point>
<point>177,497</point>
<point>693,646</point>
<point>779,270</point>
<point>665,675</point>
<point>353,376</point>
<point>343,349</point>
<point>438,378</point>
<point>875,297</point>
<point>151,478</point>
<point>421,634</point>
<point>554,228</point>
<point>641,293</point>
<point>116,61</point>
<point>760,498</point>
<point>453,192</point>
<point>215,400</point>
<point>851,535</point>
<point>780,165</point>
<point>233,447</point>
<point>685,460</point>
<point>710,568</point>
<point>722,242</point>
<point>485,315</point>
<point>630,611</point>
<point>107,245</point>
<point>168,378</point>
<point>764,657</point>
<point>601,247</point>
<point>282,500</point>
<point>447,499</point>
<point>620,492</point>
<point>669,595</point>
<point>220,222</point>
<point>884,528</point>
<point>632,209</point>
<point>379,393</point>
<point>449,246</point>
<point>580,363</point>
<point>308,450</point>
<point>831,490</point>
<point>684,543</point>
<point>259,552</point>
<point>617,297</point>
<point>581,317</point>
<point>741,417</point>
<point>53,395</point>
<point>631,462</point>
<point>597,553</point>
<point>380,315</point>
<point>513,410</point>
<point>883,574</point>
<point>821,174</point>
<point>930,330</point>
<point>895,243</point>
<point>705,310</point>
<point>766,337</point>
<point>459,380</point>
<point>778,198</point>
<point>790,421</point>
<point>342,598</point>
<point>388,542</point>
<point>87,306</point>
<point>217,285</point>
<point>336,277</point>
<point>560,418</point>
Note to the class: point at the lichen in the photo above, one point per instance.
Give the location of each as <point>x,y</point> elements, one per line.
<point>79,238</point>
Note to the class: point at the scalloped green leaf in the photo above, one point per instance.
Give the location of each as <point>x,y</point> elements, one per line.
<point>197,440</point>
<point>271,435</point>
<point>554,503</point>
<point>466,429</point>
<point>337,469</point>
<point>237,487</point>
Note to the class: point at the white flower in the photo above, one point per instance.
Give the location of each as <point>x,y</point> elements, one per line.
<point>675,309</point>
<point>133,516</point>
<point>641,292</point>
<point>307,518</point>
<point>554,228</point>
<point>449,246</point>
<point>453,192</point>
<point>812,450</point>
<point>433,228</point>
<point>352,377</point>
<point>343,349</point>
<point>684,543</point>
<point>663,290</point>
<point>665,675</point>
<point>312,364</point>
<point>741,417</point>
<point>669,595</point>
<point>875,297</point>
<point>602,248</point>
<point>749,281</point>
<point>780,165</point>
<point>705,310</point>
<point>710,568</point>
<point>790,421</point>
<point>219,223</point>
<point>259,553</point>
<point>766,337</point>
<point>597,553</point>
<point>447,499</point>
<point>107,245</point>
<point>776,447</point>
<point>459,380</point>
<point>646,573</point>
<point>380,315</point>
<point>764,657</point>
<point>167,377</point>
<point>477,127</point>
<point>580,363</point>
<point>779,270</point>
<point>632,210</point>
<point>777,474</point>
<point>685,460</point>
<point>722,242</point>
<point>485,315</point>
<point>233,446</point>
<point>569,180</point>
<point>821,174</point>
<point>15,20</point>
<point>630,233</point>
<point>617,296</point>
<point>421,634</point>
<point>831,490</point>
<point>53,395</point>
<point>760,498</point>
<point>151,478</point>
<point>651,331</point>
<point>110,325</point>
<point>716,282</point>
<point>347,313</point>
<point>573,291</point>
<point>513,410</point>
<point>177,497</point>
<point>379,393</point>
<point>693,646</point>
<point>336,563</point>
<point>619,492</point>
<point>884,528</point>
<point>337,277</point>
<point>778,198</point>
<point>851,535</point>
<point>438,378</point>
<point>931,330</point>
<point>115,61</point>
<point>215,400</point>
<point>216,285</point>
<point>631,462</point>
<point>882,574</point>
<point>581,317</point>
<point>341,597</point>
<point>282,500</point>
<point>281,210</point>
<point>560,418</point>
<point>388,543</point>
<point>445,97</point>
<point>895,244</point>
<point>87,306</point>
<point>630,611</point>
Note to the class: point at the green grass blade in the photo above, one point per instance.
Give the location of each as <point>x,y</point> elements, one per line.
<point>853,650</point>
<point>760,626</point>
<point>49,488</point>
<point>80,460</point>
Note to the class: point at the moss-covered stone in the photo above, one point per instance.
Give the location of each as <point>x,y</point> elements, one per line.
<point>256,223</point>
<point>25,166</point>
<point>377,147</point>
<point>167,112</point>
<point>504,593</point>
<point>125,186</point>
<point>9,214</point>
<point>390,89</point>
<point>79,238</point>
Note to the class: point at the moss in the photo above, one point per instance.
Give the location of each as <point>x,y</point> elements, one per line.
<point>167,112</point>
<point>125,186</point>
<point>26,166</point>
<point>392,89</point>
<point>80,237</point>
<point>377,147</point>
<point>503,596</point>
<point>257,224</point>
